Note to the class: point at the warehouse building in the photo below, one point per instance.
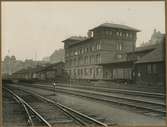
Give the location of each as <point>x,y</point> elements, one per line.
<point>46,73</point>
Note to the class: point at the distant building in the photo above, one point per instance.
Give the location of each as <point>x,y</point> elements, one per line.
<point>97,56</point>
<point>156,38</point>
<point>46,59</point>
<point>57,56</point>
<point>11,64</point>
<point>8,65</point>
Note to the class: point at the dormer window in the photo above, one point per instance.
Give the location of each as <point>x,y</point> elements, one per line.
<point>90,34</point>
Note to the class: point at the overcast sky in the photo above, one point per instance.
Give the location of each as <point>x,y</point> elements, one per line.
<point>30,28</point>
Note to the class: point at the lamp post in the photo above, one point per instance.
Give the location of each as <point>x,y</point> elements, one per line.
<point>54,85</point>
<point>70,85</point>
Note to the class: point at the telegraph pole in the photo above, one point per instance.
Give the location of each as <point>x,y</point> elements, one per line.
<point>9,63</point>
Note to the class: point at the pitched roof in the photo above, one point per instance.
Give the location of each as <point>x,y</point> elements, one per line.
<point>118,26</point>
<point>75,38</point>
<point>20,71</point>
<point>144,48</point>
<point>157,55</point>
<point>50,67</point>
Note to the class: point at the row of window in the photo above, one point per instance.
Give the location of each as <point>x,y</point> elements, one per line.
<point>85,60</point>
<point>85,72</point>
<point>83,50</point>
<point>117,33</point>
<point>151,68</point>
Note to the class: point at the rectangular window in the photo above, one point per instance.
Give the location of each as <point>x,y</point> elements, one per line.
<point>149,68</point>
<point>120,47</point>
<point>85,72</point>
<point>97,71</point>
<point>99,46</point>
<point>90,71</point>
<point>82,50</point>
<point>99,58</point>
<point>154,68</point>
<point>78,72</point>
<point>81,72</point>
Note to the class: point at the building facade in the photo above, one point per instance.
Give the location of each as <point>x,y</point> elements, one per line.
<point>150,69</point>
<point>88,57</point>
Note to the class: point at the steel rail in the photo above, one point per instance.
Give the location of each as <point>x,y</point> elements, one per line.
<point>125,91</point>
<point>67,90</point>
<point>69,110</point>
<point>24,106</point>
<point>113,96</point>
<point>28,106</point>
<point>115,90</point>
<point>112,101</point>
<point>103,94</point>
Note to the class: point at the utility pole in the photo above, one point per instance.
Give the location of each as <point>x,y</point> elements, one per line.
<point>35,56</point>
<point>9,63</point>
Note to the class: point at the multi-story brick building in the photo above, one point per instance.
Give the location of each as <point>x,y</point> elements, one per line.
<point>96,56</point>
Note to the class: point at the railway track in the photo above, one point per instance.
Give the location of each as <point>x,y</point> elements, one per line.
<point>33,117</point>
<point>121,91</point>
<point>146,107</point>
<point>78,117</point>
<point>153,107</point>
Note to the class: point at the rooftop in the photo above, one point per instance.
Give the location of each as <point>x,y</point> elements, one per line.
<point>145,48</point>
<point>157,55</point>
<point>75,38</point>
<point>118,26</point>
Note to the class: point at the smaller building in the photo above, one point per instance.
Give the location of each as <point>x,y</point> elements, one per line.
<point>150,69</point>
<point>52,72</point>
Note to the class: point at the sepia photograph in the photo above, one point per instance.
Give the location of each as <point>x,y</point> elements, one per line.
<point>83,63</point>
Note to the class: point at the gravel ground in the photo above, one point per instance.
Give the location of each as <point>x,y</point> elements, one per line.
<point>109,112</point>
<point>147,99</point>
<point>13,113</point>
<point>50,113</point>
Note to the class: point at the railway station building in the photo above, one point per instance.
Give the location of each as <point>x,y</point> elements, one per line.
<point>101,55</point>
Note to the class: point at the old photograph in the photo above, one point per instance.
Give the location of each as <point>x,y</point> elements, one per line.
<point>83,63</point>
